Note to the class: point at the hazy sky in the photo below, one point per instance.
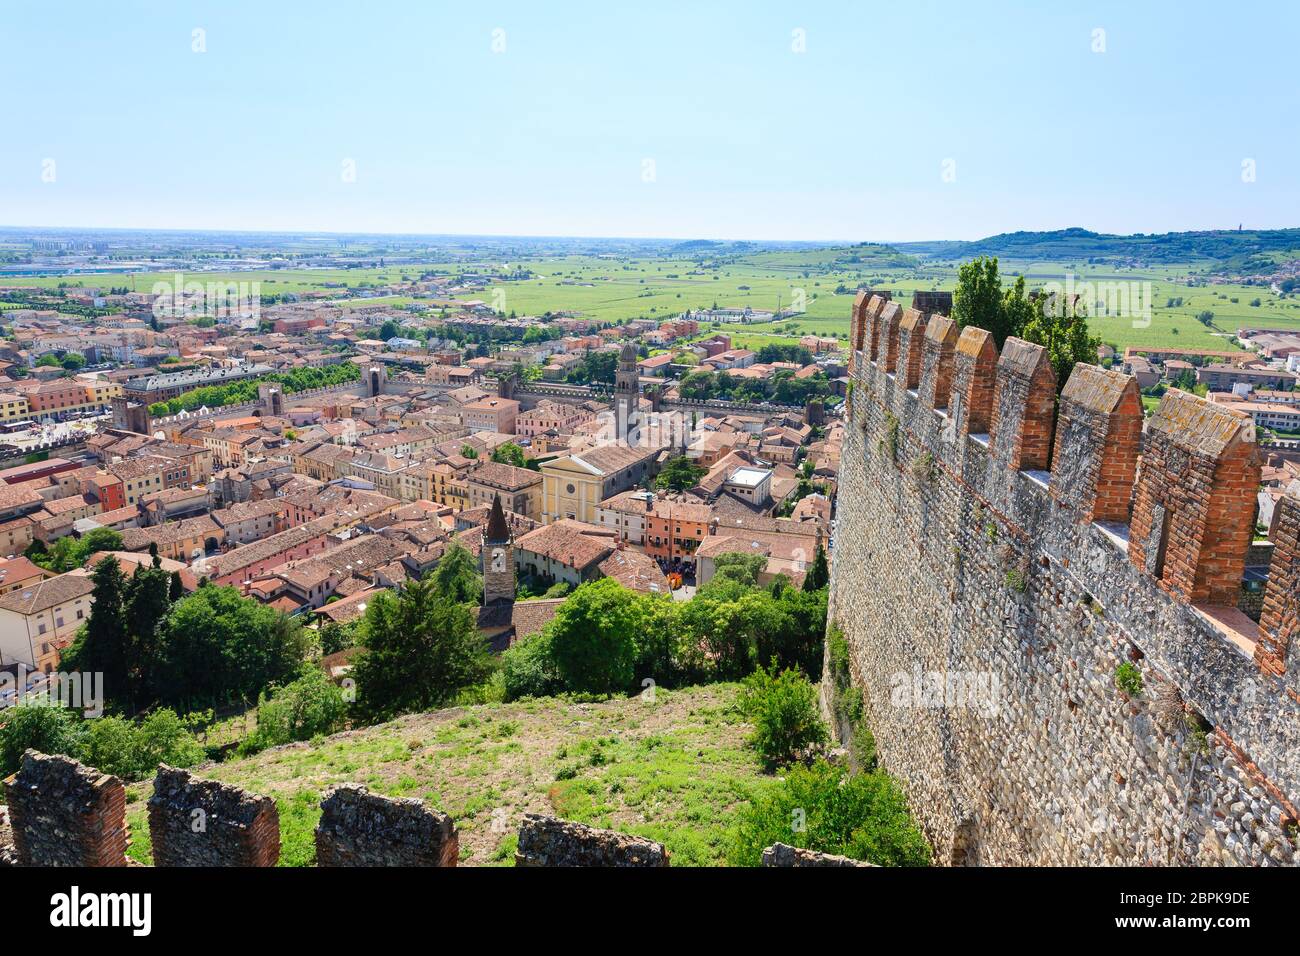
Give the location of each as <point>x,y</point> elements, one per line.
<point>902,120</point>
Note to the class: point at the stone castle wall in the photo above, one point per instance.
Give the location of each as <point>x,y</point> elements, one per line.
<point>358,828</point>
<point>989,601</point>
<point>195,822</point>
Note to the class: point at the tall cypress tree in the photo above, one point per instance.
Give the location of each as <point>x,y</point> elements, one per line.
<point>819,575</point>
<point>148,600</point>
<point>103,646</point>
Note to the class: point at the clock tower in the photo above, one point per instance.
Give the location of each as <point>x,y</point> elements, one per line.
<point>497,559</point>
<point>627,393</point>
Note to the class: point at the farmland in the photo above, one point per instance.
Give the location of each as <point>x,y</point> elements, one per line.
<point>618,288</point>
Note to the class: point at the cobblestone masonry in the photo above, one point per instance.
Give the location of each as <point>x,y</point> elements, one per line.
<point>358,828</point>
<point>65,814</point>
<point>196,822</point>
<point>779,854</point>
<point>987,614</point>
<point>546,841</point>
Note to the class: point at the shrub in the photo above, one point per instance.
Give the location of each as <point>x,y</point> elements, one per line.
<point>1128,678</point>
<point>528,670</point>
<point>133,751</point>
<point>888,445</point>
<point>823,807</point>
<point>39,726</point>
<point>838,652</point>
<point>594,638</point>
<point>783,709</point>
<point>923,468</point>
<point>312,705</point>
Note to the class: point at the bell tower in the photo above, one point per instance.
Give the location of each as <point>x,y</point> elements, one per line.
<point>497,559</point>
<point>627,390</point>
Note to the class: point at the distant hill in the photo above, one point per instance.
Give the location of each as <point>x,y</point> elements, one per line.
<point>830,258</point>
<point>1244,250</point>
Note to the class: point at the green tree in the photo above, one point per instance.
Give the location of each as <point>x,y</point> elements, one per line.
<point>509,453</point>
<point>313,705</point>
<point>680,474</point>
<point>133,750</point>
<point>528,669</point>
<point>420,650</point>
<point>784,711</point>
<point>103,645</point>
<point>978,300</point>
<point>457,578</point>
<point>38,726</point>
<point>217,647</point>
<point>819,575</point>
<point>594,637</point>
<point>148,601</point>
<point>1055,326</point>
<point>738,566</point>
<point>71,552</point>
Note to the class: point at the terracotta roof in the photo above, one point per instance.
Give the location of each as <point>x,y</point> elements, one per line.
<point>48,593</point>
<point>575,544</point>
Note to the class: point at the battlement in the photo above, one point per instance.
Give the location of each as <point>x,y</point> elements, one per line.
<point>989,525</point>
<point>63,813</point>
<point>1189,510</point>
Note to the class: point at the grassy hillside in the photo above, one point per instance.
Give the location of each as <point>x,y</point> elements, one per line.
<point>675,770</point>
<point>1220,245</point>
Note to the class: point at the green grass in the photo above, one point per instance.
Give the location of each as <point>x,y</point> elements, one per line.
<point>675,770</point>
<point>612,290</point>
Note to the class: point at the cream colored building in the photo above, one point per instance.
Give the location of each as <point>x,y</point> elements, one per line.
<point>574,487</point>
<point>38,622</point>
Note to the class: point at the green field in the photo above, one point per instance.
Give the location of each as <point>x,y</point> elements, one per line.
<point>613,289</point>
<point>675,769</point>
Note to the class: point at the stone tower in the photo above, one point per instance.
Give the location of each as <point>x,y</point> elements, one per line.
<point>498,558</point>
<point>627,391</point>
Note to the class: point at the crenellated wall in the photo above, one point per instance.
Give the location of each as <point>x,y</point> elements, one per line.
<point>63,813</point>
<point>1000,554</point>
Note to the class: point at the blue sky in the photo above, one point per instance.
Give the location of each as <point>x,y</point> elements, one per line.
<point>555,134</point>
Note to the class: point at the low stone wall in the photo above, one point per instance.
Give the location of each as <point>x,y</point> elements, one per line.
<point>779,854</point>
<point>65,814</point>
<point>204,823</point>
<point>546,841</point>
<point>61,813</point>
<point>358,828</point>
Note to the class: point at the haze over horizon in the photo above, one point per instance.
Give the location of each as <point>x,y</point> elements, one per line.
<point>951,123</point>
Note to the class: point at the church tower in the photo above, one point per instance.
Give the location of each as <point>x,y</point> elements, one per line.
<point>497,559</point>
<point>627,391</point>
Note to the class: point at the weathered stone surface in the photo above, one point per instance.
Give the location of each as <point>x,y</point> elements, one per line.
<point>195,822</point>
<point>1279,624</point>
<point>983,573</point>
<point>779,854</point>
<point>974,377</point>
<point>359,828</point>
<point>911,347</point>
<point>1098,442</point>
<point>8,855</point>
<point>65,814</point>
<point>1195,498</point>
<point>1024,405</point>
<point>546,841</point>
